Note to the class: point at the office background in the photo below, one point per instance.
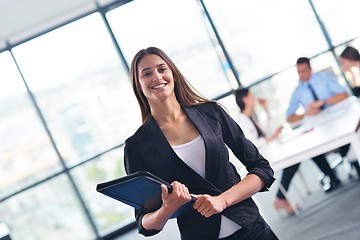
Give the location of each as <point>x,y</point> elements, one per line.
<point>66,103</point>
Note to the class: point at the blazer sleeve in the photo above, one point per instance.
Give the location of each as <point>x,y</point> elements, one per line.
<point>244,149</point>
<point>132,166</point>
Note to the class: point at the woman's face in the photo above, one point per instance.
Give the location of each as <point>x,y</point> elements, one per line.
<point>346,64</point>
<point>250,99</point>
<point>155,78</point>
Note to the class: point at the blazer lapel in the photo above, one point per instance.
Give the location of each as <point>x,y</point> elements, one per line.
<point>167,161</point>
<point>209,140</point>
<point>170,165</point>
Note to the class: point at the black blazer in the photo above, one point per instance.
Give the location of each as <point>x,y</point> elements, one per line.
<point>148,150</point>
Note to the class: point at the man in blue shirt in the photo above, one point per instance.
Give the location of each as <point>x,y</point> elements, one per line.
<point>326,88</point>
<point>315,91</point>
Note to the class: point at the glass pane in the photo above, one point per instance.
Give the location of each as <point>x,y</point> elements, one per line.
<point>278,89</point>
<point>81,86</point>
<point>264,37</point>
<point>341,18</point>
<point>180,33</point>
<point>26,151</point>
<point>108,213</point>
<point>47,211</point>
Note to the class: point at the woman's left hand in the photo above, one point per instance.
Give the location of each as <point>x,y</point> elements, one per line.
<point>208,205</point>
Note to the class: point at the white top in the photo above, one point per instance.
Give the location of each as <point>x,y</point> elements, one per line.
<point>249,130</point>
<point>193,154</point>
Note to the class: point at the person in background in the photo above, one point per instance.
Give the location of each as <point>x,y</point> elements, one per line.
<point>183,140</point>
<point>246,102</point>
<point>350,62</point>
<point>315,92</point>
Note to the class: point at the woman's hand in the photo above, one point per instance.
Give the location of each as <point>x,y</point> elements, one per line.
<point>178,197</point>
<point>275,135</point>
<point>170,203</point>
<point>208,205</point>
<point>262,102</point>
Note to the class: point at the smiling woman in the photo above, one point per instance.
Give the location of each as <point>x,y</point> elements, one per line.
<point>183,140</point>
<point>185,93</point>
<point>155,78</point>
<point>66,104</point>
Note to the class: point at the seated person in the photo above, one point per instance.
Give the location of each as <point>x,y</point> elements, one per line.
<point>351,157</point>
<point>246,102</point>
<point>315,92</point>
<point>350,62</point>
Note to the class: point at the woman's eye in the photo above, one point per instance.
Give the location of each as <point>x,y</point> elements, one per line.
<point>146,74</point>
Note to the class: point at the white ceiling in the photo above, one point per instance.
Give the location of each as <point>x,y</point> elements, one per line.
<point>21,19</point>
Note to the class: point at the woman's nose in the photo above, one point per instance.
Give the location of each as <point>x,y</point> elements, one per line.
<point>158,76</point>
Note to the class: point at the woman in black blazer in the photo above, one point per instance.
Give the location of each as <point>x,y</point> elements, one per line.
<point>183,140</point>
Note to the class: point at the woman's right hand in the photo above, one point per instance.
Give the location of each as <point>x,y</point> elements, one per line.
<point>170,203</point>
<point>275,135</point>
<point>178,197</point>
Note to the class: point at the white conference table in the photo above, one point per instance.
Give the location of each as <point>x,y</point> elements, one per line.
<point>330,129</point>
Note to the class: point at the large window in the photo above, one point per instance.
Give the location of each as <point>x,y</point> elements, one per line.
<point>81,86</point>
<point>26,151</point>
<point>178,29</point>
<point>264,37</point>
<point>48,211</point>
<point>341,18</point>
<point>109,214</point>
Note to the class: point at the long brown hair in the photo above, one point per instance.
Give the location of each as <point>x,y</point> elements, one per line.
<point>185,94</point>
